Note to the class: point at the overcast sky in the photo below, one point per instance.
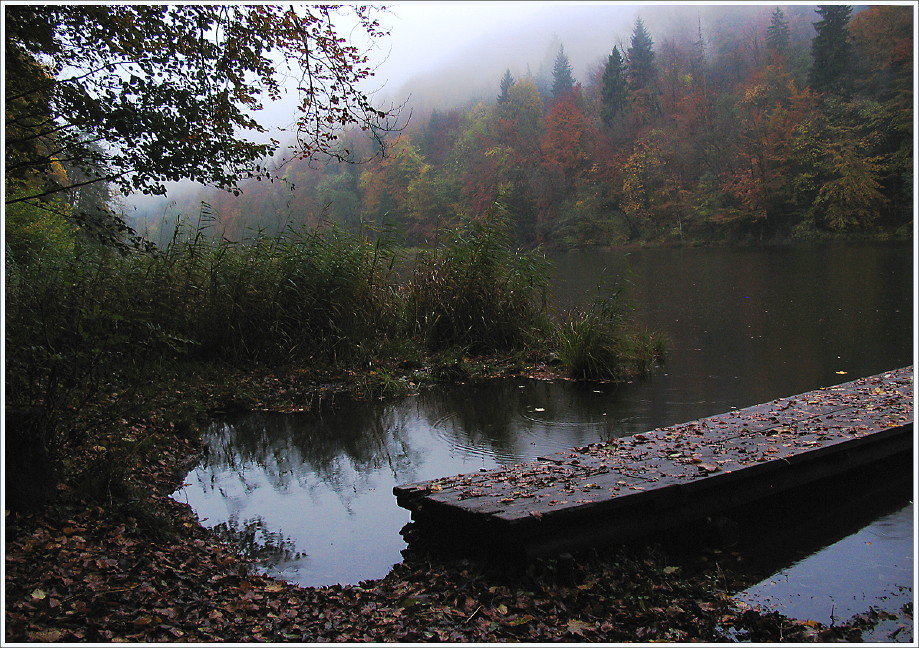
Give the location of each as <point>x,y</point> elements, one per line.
<point>460,48</point>
<point>427,35</point>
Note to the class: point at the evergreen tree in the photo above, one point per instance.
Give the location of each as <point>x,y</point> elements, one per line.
<point>698,57</point>
<point>506,82</point>
<point>778,36</point>
<point>641,69</point>
<point>562,79</point>
<point>614,88</point>
<point>831,49</point>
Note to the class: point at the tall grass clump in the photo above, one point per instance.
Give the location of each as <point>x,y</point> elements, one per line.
<point>599,343</point>
<point>318,295</point>
<point>335,296</point>
<point>477,292</point>
<point>82,317</point>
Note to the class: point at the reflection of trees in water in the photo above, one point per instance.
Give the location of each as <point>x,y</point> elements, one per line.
<point>494,416</point>
<point>343,449</point>
<point>253,540</point>
<point>468,413</point>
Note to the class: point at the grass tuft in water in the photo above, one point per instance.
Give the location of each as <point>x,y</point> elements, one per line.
<point>597,343</point>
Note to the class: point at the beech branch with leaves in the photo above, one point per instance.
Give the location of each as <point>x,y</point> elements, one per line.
<point>143,95</point>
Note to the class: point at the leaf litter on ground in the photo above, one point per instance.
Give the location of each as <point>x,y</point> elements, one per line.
<point>85,571</point>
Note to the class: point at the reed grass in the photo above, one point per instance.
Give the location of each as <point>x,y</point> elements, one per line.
<point>599,342</point>
<point>83,319</point>
<point>476,291</point>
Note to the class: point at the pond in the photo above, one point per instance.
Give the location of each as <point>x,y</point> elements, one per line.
<point>877,578</point>
<point>310,494</point>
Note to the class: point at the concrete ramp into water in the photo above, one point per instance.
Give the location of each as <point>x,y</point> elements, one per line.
<point>668,477</point>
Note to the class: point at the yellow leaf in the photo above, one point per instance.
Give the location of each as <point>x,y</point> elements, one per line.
<point>38,594</point>
<point>502,609</point>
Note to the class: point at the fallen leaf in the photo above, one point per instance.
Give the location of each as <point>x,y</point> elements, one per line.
<point>578,627</point>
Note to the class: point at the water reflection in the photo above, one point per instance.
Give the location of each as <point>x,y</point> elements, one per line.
<point>310,495</point>
<point>747,326</point>
<point>868,573</point>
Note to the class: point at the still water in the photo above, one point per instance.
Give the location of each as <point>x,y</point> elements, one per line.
<point>311,494</point>
<point>877,574</point>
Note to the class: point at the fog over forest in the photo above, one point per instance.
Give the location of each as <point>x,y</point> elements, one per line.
<point>451,56</point>
<point>445,55</point>
<point>529,44</point>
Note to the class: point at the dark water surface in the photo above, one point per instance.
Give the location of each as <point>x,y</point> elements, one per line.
<point>871,569</point>
<point>311,493</point>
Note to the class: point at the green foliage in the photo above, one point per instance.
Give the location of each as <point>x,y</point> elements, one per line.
<point>89,316</point>
<point>35,231</point>
<point>778,36</point>
<point>831,49</point>
<point>597,343</point>
<point>642,70</point>
<point>141,95</point>
<point>590,344</point>
<point>476,291</point>
<point>506,82</point>
<point>614,90</point>
<point>562,79</point>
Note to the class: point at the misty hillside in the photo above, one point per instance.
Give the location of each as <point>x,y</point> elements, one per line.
<point>609,125</point>
<point>588,33</point>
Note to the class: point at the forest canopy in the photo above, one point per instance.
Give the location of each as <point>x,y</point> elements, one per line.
<point>793,121</point>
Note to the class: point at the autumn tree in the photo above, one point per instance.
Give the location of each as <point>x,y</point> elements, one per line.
<point>385,184</point>
<point>851,197</point>
<point>775,152</point>
<point>520,128</point>
<point>140,95</point>
<point>831,49</point>
<point>480,159</point>
<point>565,144</point>
<point>882,37</point>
